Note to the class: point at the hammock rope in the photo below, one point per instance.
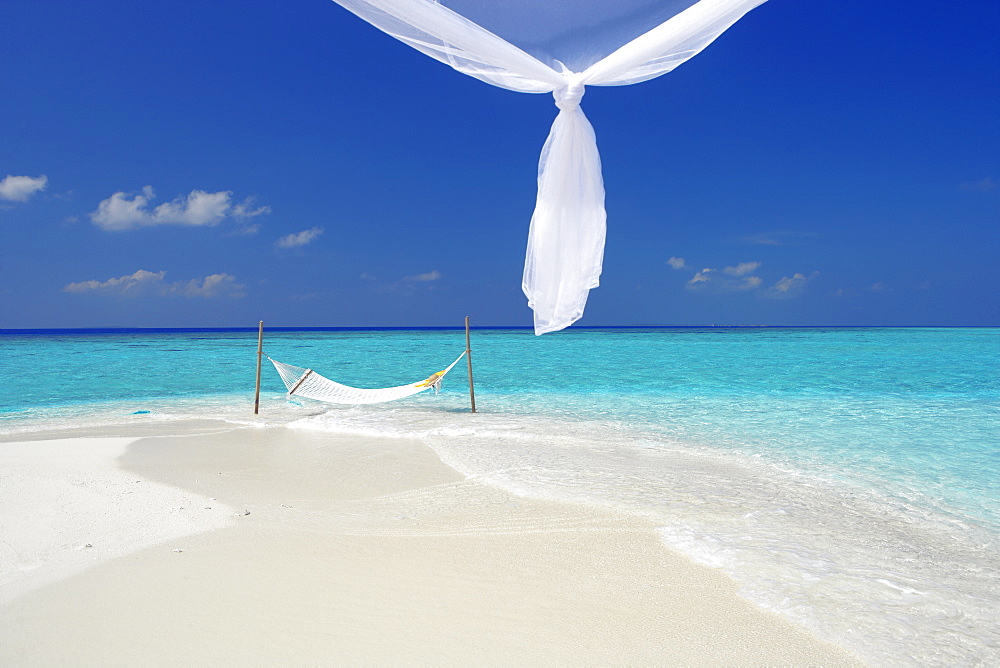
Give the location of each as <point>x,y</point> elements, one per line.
<point>302,382</point>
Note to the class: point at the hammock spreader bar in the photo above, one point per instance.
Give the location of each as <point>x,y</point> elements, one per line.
<point>308,384</point>
<point>292,389</point>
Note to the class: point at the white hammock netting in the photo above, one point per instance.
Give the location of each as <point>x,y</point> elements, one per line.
<point>559,46</point>
<point>302,382</point>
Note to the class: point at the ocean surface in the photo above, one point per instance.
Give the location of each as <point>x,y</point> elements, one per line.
<point>847,478</point>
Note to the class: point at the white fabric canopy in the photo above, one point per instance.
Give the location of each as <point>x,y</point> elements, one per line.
<point>559,46</point>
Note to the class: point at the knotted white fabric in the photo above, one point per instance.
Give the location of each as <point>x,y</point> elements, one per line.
<point>559,46</point>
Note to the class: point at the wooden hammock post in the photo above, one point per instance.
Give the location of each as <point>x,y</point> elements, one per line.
<point>260,352</point>
<point>468,357</point>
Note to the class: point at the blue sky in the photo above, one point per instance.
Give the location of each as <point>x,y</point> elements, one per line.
<point>186,163</point>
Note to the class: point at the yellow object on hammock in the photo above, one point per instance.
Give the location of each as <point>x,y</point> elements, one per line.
<point>433,379</point>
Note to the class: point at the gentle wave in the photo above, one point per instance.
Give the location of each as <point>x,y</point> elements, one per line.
<point>899,582</point>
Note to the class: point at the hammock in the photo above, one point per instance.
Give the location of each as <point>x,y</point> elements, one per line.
<point>306,383</point>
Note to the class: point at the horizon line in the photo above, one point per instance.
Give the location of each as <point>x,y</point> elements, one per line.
<point>253,328</point>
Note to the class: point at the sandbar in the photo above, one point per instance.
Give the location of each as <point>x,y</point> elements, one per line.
<point>215,544</point>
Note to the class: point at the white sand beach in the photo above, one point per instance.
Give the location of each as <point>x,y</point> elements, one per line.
<point>203,543</point>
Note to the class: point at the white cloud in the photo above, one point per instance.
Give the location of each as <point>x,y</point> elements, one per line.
<point>406,285</point>
<point>196,209</point>
<point>216,285</point>
<point>152,282</point>
<point>701,277</point>
<point>732,279</point>
<point>677,262</point>
<point>986,185</point>
<point>778,238</point>
<point>124,284</point>
<point>299,238</point>
<point>742,269</point>
<point>20,188</point>
<point>429,276</point>
<point>247,230</point>
<point>789,286</point>
<point>245,209</point>
<point>742,278</point>
<point>789,282</point>
<point>763,239</point>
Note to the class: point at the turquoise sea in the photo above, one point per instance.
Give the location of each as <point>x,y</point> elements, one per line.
<point>848,478</point>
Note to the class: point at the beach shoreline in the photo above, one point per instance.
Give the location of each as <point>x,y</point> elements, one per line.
<point>317,547</point>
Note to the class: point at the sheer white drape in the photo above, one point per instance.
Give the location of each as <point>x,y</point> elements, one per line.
<point>529,54</point>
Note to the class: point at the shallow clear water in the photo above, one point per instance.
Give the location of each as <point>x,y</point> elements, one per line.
<point>847,478</point>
